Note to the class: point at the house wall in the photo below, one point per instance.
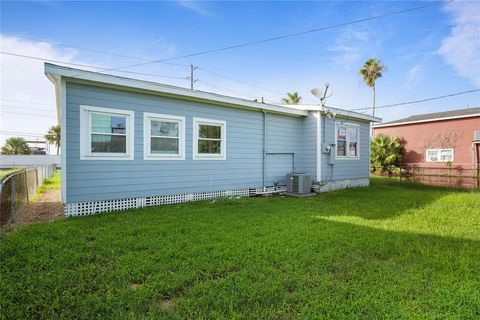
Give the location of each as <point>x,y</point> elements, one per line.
<point>92,180</point>
<point>309,144</point>
<point>284,153</point>
<point>345,169</point>
<point>454,134</point>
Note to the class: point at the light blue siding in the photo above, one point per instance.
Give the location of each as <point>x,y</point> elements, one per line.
<point>92,180</point>
<point>346,169</point>
<point>283,150</point>
<point>309,145</point>
<point>291,144</point>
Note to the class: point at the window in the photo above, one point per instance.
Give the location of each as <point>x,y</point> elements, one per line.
<point>209,139</point>
<point>106,134</point>
<point>347,136</point>
<point>439,155</point>
<point>164,137</point>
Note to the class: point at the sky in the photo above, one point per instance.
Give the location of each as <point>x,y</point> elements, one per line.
<point>429,52</point>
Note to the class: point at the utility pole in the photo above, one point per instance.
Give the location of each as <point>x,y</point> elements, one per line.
<point>192,79</point>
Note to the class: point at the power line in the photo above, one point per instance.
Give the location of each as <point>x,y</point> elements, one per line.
<point>138,58</point>
<point>32,102</point>
<point>29,114</point>
<point>276,38</point>
<point>250,84</point>
<point>22,108</point>
<point>228,89</point>
<point>26,134</point>
<point>92,50</point>
<point>240,81</point>
<point>19,74</point>
<point>421,100</point>
<point>89,66</point>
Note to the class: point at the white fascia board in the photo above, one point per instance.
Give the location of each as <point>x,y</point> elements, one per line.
<point>166,90</point>
<point>341,112</point>
<point>56,80</point>
<point>426,120</point>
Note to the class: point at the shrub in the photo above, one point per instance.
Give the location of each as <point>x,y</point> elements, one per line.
<point>386,154</point>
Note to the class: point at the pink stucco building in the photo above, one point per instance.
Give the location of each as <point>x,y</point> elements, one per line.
<point>438,139</point>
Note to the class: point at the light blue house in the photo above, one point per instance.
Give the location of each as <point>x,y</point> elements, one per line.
<point>130,143</point>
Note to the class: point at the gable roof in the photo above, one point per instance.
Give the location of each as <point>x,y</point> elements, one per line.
<point>431,117</point>
<point>55,73</point>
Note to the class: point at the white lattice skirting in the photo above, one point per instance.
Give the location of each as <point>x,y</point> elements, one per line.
<point>92,207</point>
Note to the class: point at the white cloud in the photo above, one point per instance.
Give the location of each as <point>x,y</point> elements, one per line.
<point>349,47</point>
<point>414,76</point>
<point>461,48</point>
<point>24,80</point>
<point>194,6</point>
<point>165,46</point>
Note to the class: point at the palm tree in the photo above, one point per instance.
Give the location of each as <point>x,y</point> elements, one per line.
<point>16,145</point>
<point>386,154</point>
<point>53,136</point>
<point>292,98</point>
<point>371,71</point>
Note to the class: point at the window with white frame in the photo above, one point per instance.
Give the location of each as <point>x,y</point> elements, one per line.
<point>347,140</point>
<point>439,155</point>
<point>209,139</point>
<point>164,137</point>
<point>106,134</point>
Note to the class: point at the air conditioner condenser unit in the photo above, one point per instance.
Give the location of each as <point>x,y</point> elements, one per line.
<point>299,183</point>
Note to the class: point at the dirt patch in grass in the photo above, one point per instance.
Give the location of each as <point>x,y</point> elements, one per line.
<point>167,305</point>
<point>48,207</point>
<point>134,285</point>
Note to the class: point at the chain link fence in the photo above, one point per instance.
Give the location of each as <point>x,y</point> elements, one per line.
<point>20,187</point>
<point>438,176</point>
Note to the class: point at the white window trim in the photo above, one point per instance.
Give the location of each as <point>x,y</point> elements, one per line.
<point>147,155</point>
<point>85,134</point>
<point>223,145</point>
<point>438,155</point>
<point>347,157</point>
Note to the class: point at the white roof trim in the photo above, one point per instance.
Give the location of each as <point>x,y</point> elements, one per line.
<point>166,90</point>
<point>336,111</point>
<point>426,120</point>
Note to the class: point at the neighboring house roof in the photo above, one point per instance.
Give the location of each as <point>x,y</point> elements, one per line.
<point>431,117</point>
<point>55,73</point>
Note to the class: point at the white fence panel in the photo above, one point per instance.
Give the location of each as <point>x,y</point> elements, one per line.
<point>29,160</point>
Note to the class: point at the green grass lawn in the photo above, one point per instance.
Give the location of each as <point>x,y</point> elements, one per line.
<point>6,172</point>
<point>393,250</point>
<point>52,183</point>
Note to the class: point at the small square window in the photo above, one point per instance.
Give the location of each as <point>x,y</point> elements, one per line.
<point>347,141</point>
<point>209,139</point>
<point>164,137</point>
<point>106,134</point>
<point>439,155</point>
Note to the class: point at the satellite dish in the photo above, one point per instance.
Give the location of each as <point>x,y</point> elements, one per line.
<point>317,92</point>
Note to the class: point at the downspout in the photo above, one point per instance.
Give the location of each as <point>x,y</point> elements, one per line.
<point>264,147</point>
<point>319,146</point>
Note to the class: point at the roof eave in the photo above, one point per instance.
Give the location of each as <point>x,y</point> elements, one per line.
<point>337,111</point>
<point>78,75</point>
<point>380,125</point>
